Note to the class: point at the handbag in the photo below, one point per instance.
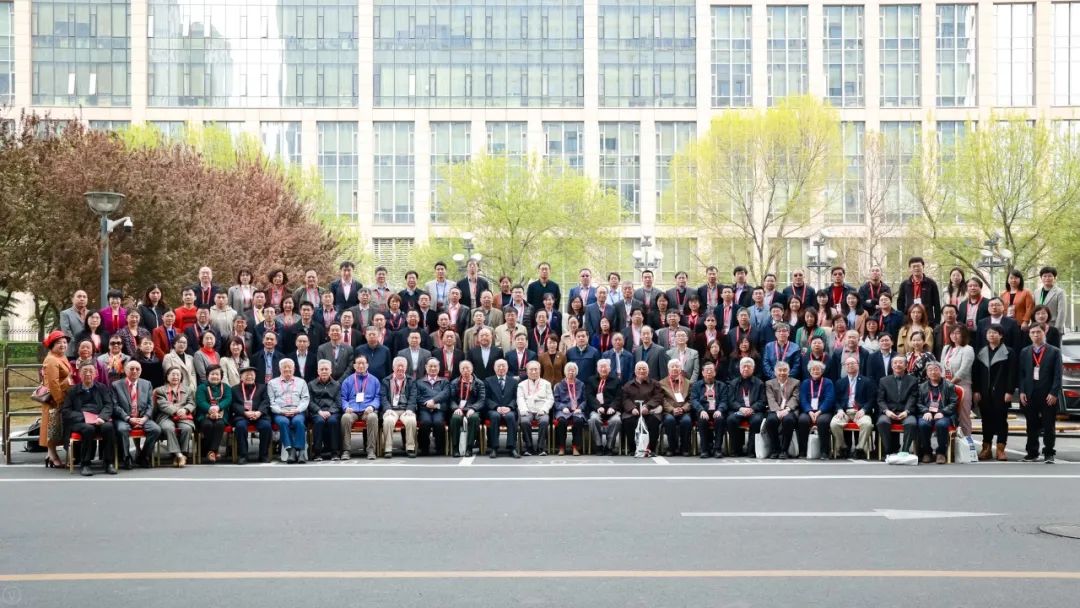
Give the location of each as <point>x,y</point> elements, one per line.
<point>41,394</point>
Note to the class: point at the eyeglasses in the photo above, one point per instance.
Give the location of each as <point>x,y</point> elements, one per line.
<point>116,343</point>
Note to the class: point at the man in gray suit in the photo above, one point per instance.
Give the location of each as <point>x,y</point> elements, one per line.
<point>415,357</point>
<point>1049,295</point>
<point>73,320</point>
<point>337,352</point>
<point>133,409</point>
<point>652,354</point>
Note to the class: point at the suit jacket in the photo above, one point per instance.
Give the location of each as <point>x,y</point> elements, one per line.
<point>496,396</point>
<point>1055,301</point>
<point>162,344</point>
<point>648,304</point>
<point>326,318</point>
<point>755,393</point>
<point>363,318</point>
<point>463,320</point>
<point>930,294</point>
<point>300,295</point>
<point>429,319</point>
<point>946,404</point>
<point>122,400</point>
<point>515,368</point>
<point>656,357</point>
<point>524,314</point>
<point>865,394</point>
<point>258,361</point>
<point>415,372</point>
<point>622,364</point>
<point>703,295</point>
<point>589,298</point>
<point>1012,337</point>
<point>457,356</point>
<point>437,392</point>
<point>610,393</point>
<point>310,370</point>
<point>1022,302</point>
<point>897,394</point>
<point>622,317</point>
<point>691,366</point>
<point>354,338</point>
<point>666,337</point>
<point>340,301</point>
<point>593,314</point>
<point>1050,372</point>
<point>73,407</point>
<point>410,301</point>
<point>400,338</point>
<point>786,395</point>
<point>342,365</point>
<point>476,357</point>
<point>406,400</point>
<point>378,359</point>
<point>258,401</point>
<point>834,370</point>
<point>680,300</point>
<point>806,294</point>
<point>482,285</point>
<point>72,325</point>
<point>981,310</point>
<point>316,335</point>
<point>493,317</point>
<point>744,298</point>
<point>439,293</point>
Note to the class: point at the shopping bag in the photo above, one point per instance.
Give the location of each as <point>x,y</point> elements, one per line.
<point>641,437</point>
<point>813,447</point>
<point>964,451</point>
<point>902,458</point>
<point>462,438</point>
<point>762,445</point>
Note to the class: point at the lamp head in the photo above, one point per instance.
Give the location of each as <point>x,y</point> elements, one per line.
<point>104,203</point>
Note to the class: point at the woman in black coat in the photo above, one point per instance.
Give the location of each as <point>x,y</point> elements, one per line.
<point>993,378</point>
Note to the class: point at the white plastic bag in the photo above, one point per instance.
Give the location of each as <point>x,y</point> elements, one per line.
<point>462,439</point>
<point>902,458</point>
<point>964,451</point>
<point>762,445</point>
<point>641,437</point>
<point>813,447</point>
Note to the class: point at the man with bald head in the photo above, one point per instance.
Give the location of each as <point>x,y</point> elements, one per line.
<point>133,410</point>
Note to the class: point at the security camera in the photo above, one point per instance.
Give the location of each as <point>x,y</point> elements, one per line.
<point>128,225</point>
<point>123,223</point>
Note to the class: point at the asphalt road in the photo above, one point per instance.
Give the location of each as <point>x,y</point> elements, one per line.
<point>541,532</point>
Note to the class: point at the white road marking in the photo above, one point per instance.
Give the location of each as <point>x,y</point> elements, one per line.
<point>467,461</point>
<point>414,479</point>
<point>895,514</point>
<point>660,460</point>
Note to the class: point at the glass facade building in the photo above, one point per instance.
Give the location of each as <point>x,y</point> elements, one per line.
<point>382,95</point>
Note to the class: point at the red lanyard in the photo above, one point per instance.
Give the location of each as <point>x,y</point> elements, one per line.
<point>133,392</point>
<point>916,286</point>
<point>540,343</point>
<point>600,389</point>
<point>359,388</point>
<point>675,387</point>
<point>210,394</point>
<point>821,387</point>
<point>523,358</point>
<point>605,342</point>
<point>870,288</point>
<point>464,389</point>
<point>398,385</point>
<point>680,301</point>
<point>776,350</point>
<point>1037,355</point>
<point>244,394</point>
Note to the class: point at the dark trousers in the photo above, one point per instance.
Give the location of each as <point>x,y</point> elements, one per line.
<point>735,434</point>
<point>629,427</point>
<point>995,421</point>
<point>711,433</point>
<point>577,421</point>
<point>432,421</point>
<point>823,432</point>
<point>325,432</point>
<point>472,430</point>
<point>210,434</point>
<point>510,420</point>
<point>780,431</point>
<point>151,431</point>
<point>677,429</point>
<point>891,441</point>
<point>242,428</point>
<point>107,434</point>
<point>1041,420</point>
<point>940,428</point>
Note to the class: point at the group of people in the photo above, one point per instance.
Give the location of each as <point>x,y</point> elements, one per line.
<point>447,361</point>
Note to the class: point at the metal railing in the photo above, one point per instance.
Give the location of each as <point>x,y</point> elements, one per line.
<point>22,372</point>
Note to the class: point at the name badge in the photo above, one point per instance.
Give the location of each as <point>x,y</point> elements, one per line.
<point>1035,373</point>
<point>712,404</point>
<point>679,398</point>
<point>464,403</point>
<point>746,401</point>
<point>917,301</point>
<point>783,403</point>
<point>397,398</point>
<point>1011,312</point>
<point>814,403</point>
<point>359,397</point>
<point>247,405</point>
<point>933,408</point>
<point>600,398</point>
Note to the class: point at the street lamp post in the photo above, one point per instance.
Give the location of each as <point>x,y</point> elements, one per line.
<point>461,259</point>
<point>993,258</point>
<point>644,256</point>
<point>104,204</point>
<point>822,259</point>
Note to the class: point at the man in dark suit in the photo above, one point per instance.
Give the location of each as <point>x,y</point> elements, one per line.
<point>337,352</point>
<point>896,396</point>
<point>1011,337</point>
<point>346,289</point>
<point>838,289</point>
<point>837,362</point>
<point>856,401</point>
<point>410,296</point>
<point>266,360</point>
<point>450,357</point>
<point>624,310</point>
<point>484,355</point>
<point>919,289</point>
<point>415,357</point>
<point>307,363</point>
<point>473,285</point>
<point>799,289</point>
<point>584,288</point>
<point>652,354</point>
<point>432,399</point>
<point>622,360</point>
<point>307,326</point>
<point>600,309</point>
<point>400,338</point>
<point>88,410</point>
<point>1040,392</point>
<point>647,294</point>
<point>975,307</point>
<point>351,333</point>
<point>518,357</point>
<point>742,290</point>
<point>679,296</point>
<point>134,408</point>
<point>870,291</point>
<point>709,293</point>
<point>205,289</point>
<point>501,397</point>
<point>943,329</point>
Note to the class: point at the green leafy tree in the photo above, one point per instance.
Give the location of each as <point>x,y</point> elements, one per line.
<point>521,214</point>
<point>760,176</point>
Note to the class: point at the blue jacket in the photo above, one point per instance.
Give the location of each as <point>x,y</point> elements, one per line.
<point>378,359</point>
<point>622,365</point>
<point>584,359</point>
<point>793,359</point>
<point>372,390</point>
<point>825,394</point>
<point>865,394</point>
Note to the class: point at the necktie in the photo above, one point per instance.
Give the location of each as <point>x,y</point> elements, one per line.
<point>502,383</point>
<point>133,393</point>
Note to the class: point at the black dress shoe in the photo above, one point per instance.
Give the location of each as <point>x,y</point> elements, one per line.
<point>126,464</point>
<point>718,454</point>
<point>242,460</point>
<point>515,454</point>
<point>85,471</point>
<point>668,454</point>
<point>492,454</point>
<point>774,456</point>
<point>455,454</point>
<point>783,455</point>
<point>411,454</point>
<point>110,469</point>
